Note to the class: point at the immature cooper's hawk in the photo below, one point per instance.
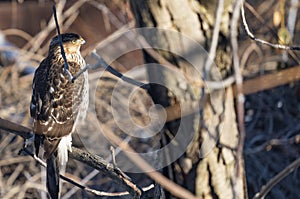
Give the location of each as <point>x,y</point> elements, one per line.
<point>57,104</point>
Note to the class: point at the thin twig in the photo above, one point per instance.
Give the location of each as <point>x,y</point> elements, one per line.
<point>276,179</point>
<point>101,62</point>
<point>79,73</point>
<point>274,142</point>
<point>251,35</point>
<point>214,43</point>
<point>66,66</point>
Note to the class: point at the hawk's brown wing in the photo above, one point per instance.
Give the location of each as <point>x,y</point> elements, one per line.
<point>38,88</point>
<point>55,102</point>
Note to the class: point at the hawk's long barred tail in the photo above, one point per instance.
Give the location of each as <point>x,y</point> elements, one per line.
<point>52,178</point>
<point>57,104</point>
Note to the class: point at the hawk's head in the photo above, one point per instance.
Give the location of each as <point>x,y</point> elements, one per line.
<point>71,42</point>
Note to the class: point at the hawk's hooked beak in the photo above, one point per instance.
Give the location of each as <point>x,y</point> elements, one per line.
<point>81,41</point>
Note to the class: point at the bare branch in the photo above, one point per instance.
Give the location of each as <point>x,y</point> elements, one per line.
<point>92,160</point>
<point>17,129</point>
<point>113,172</point>
<point>93,174</point>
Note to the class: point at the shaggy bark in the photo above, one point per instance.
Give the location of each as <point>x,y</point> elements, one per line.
<point>214,174</point>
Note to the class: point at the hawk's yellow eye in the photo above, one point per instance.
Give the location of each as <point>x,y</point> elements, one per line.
<point>74,41</point>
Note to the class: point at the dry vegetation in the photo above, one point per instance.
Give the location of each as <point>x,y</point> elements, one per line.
<point>271,117</point>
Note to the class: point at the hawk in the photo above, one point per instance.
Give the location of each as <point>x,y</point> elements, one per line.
<point>57,104</point>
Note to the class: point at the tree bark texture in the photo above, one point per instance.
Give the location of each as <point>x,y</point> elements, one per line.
<point>209,172</point>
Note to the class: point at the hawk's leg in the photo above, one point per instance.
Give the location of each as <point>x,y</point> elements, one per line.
<point>28,143</point>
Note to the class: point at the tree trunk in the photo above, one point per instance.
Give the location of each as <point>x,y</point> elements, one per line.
<point>208,166</point>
